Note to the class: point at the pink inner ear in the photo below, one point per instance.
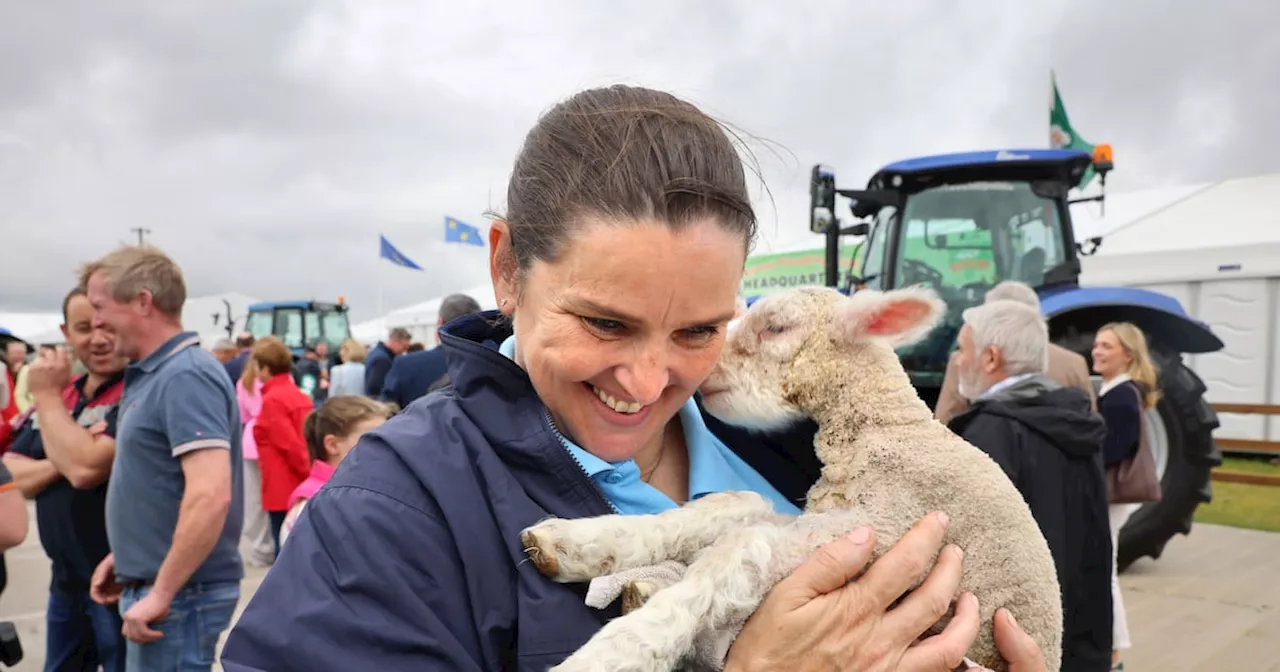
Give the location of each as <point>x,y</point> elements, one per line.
<point>896,316</point>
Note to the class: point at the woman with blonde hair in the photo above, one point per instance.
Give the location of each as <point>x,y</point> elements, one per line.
<point>257,527</point>
<point>348,377</point>
<point>1121,357</point>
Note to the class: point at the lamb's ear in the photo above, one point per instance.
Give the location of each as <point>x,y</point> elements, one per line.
<point>900,317</point>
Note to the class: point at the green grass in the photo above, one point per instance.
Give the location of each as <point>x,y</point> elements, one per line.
<point>1251,465</point>
<point>1254,507</point>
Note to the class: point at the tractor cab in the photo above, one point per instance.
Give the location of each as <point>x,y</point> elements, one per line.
<point>958,223</point>
<point>300,323</point>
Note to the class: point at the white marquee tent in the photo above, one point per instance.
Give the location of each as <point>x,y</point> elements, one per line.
<point>419,318</point>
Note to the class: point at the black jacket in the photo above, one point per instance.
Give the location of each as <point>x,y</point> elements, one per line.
<point>1049,442</point>
<point>1121,407</point>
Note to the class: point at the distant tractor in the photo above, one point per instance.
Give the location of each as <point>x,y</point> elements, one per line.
<point>301,323</point>
<point>960,223</point>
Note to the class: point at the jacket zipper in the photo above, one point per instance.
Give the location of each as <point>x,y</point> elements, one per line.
<point>551,423</point>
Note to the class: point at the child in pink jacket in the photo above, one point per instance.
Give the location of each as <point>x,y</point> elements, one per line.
<point>331,432</point>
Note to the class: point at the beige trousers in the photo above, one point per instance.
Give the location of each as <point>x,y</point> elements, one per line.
<point>256,543</point>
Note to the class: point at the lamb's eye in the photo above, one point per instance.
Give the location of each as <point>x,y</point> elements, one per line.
<point>776,329</point>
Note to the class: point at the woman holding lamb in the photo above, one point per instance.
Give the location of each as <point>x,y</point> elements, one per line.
<point>616,270</point>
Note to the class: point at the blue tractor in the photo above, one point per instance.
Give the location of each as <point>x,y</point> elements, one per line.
<point>960,223</point>
<point>301,323</point>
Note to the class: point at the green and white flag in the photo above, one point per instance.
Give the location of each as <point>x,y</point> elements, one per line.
<point>1062,135</point>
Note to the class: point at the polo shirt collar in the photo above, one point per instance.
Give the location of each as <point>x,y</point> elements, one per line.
<point>107,384</point>
<point>170,348</point>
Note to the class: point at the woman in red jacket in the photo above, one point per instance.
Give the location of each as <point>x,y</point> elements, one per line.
<point>282,451</point>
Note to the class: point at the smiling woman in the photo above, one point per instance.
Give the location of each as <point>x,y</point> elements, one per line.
<point>616,271</point>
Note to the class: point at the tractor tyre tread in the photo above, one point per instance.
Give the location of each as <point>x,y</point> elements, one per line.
<point>1192,455</point>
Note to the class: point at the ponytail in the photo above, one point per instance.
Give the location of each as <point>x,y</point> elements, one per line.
<point>311,432</point>
<point>339,416</point>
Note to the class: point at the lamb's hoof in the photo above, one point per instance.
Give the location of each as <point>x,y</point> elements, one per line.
<point>540,545</point>
<point>636,593</point>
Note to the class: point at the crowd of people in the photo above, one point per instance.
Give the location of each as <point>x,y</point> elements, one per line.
<point>145,543</point>
<point>390,515</point>
<point>1031,406</point>
<point>301,418</point>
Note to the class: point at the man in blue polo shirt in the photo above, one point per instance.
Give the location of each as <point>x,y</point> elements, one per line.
<point>175,499</point>
<point>61,456</point>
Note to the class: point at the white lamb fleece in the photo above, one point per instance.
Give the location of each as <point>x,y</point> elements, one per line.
<point>811,353</point>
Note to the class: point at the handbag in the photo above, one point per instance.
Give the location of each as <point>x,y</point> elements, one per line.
<point>1134,481</point>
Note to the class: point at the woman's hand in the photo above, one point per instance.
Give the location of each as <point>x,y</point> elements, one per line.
<point>1016,647</point>
<point>816,619</point>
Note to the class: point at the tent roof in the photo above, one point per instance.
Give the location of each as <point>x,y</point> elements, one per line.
<point>428,311</point>
<point>1228,229</point>
<point>1224,214</point>
<point>1125,208</point>
<point>25,326</point>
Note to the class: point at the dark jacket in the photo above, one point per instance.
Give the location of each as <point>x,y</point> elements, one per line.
<point>441,383</point>
<point>412,374</point>
<point>235,366</point>
<point>409,559</point>
<point>1049,442</point>
<point>376,366</point>
<point>1122,410</point>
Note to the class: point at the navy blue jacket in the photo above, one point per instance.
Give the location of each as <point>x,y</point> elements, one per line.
<point>409,559</point>
<point>235,366</point>
<point>412,374</point>
<point>376,366</point>
<point>1122,409</point>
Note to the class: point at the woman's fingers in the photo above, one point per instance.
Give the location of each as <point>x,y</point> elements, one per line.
<point>903,565</point>
<point>946,650</point>
<point>831,566</point>
<point>1016,646</point>
<point>927,604</point>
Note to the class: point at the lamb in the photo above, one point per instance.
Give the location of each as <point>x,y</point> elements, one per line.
<point>815,353</point>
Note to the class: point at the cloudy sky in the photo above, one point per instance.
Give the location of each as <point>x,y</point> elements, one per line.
<point>266,145</point>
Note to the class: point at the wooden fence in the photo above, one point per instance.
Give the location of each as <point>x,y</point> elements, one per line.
<point>1247,446</point>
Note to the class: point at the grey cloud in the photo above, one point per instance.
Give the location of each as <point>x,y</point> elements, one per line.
<point>268,144</point>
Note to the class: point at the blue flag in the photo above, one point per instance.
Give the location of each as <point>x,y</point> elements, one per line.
<point>456,231</point>
<point>390,253</point>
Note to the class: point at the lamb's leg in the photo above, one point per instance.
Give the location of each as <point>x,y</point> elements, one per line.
<point>585,548</point>
<point>721,588</point>
<point>636,592</point>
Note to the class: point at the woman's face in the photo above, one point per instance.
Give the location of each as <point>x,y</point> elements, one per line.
<point>624,326</point>
<point>1109,356</point>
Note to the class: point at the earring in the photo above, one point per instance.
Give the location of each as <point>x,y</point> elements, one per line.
<point>502,304</point>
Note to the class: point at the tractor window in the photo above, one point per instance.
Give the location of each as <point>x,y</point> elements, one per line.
<point>961,239</point>
<point>336,327</point>
<point>945,254</point>
<point>1037,245</point>
<point>311,322</point>
<point>289,327</point>
<point>259,324</point>
<point>873,261</point>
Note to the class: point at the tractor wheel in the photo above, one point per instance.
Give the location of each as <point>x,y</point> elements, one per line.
<point>1180,433</point>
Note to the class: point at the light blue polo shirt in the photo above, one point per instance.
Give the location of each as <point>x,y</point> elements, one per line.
<point>712,468</point>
